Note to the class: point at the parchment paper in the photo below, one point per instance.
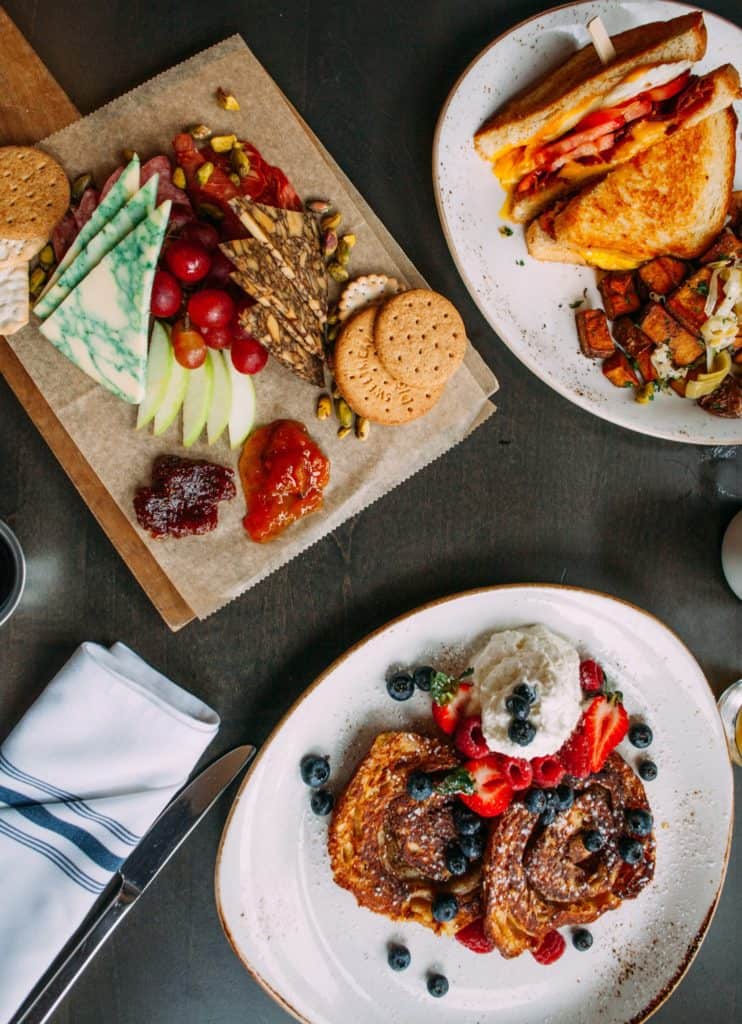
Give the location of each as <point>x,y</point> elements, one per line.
<point>212,569</point>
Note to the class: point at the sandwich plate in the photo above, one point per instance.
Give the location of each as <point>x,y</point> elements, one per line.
<point>527,302</point>
<point>324,958</point>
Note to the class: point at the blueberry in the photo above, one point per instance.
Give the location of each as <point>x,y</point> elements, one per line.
<point>630,850</point>
<point>315,771</point>
<point>518,707</point>
<point>535,801</point>
<point>640,735</point>
<point>521,732</point>
<point>419,785</point>
<point>445,907</point>
<point>465,821</point>
<point>639,821</point>
<point>648,771</point>
<point>593,840</point>
<point>398,957</point>
<point>401,686</point>
<point>526,692</point>
<point>437,985</point>
<point>582,939</point>
<point>548,816</point>
<point>321,801</point>
<point>456,861</point>
<point>552,799</point>
<point>565,797</point>
<point>423,677</point>
<point>472,845</point>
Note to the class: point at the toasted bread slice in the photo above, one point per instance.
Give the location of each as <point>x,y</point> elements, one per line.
<point>570,89</point>
<point>720,87</point>
<point>671,200</point>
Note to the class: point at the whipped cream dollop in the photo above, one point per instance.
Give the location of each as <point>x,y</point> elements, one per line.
<point>546,662</point>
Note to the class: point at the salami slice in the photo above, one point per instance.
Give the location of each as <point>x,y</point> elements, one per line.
<point>111,181</point>
<point>64,235</point>
<point>84,209</point>
<point>165,189</point>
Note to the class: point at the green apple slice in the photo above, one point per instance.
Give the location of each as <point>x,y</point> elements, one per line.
<point>221,395</point>
<point>242,413</point>
<point>171,403</point>
<point>159,367</point>
<point>197,402</point>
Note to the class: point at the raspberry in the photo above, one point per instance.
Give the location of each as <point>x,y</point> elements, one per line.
<point>551,948</point>
<point>469,739</point>
<point>473,937</point>
<point>592,676</point>
<point>547,771</point>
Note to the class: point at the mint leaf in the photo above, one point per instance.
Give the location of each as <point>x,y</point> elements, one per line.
<point>443,688</point>
<point>458,781</point>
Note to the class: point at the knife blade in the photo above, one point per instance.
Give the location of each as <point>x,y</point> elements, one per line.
<point>168,832</point>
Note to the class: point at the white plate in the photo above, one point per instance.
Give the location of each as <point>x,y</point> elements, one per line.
<point>323,957</point>
<point>528,306</point>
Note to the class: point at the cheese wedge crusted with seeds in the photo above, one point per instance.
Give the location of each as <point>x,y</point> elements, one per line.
<point>292,238</point>
<point>271,330</point>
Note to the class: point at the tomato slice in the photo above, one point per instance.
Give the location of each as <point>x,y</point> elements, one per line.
<point>594,148</point>
<point>667,91</point>
<point>610,116</point>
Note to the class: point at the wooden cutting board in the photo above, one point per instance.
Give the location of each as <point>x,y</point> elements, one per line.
<point>23,79</point>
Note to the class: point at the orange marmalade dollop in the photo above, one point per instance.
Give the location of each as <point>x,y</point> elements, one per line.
<point>283,473</point>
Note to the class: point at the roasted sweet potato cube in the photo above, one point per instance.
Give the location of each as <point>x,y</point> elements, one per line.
<point>688,303</point>
<point>727,244</point>
<point>630,337</point>
<point>592,330</point>
<point>619,371</point>
<point>738,356</point>
<point>678,385</point>
<point>620,295</point>
<point>661,328</point>
<point>662,274</point>
<point>643,360</point>
<point>726,401</point>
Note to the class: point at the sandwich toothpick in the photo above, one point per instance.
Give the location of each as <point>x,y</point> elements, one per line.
<point>601,40</point>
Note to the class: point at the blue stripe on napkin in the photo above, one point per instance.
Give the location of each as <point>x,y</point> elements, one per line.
<point>55,856</point>
<point>73,802</point>
<point>40,816</point>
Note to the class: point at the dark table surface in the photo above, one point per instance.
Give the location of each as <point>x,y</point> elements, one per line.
<point>542,492</point>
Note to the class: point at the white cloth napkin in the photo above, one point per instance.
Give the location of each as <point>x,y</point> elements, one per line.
<point>82,777</point>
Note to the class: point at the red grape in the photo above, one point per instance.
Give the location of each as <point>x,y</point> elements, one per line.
<point>179,216</point>
<point>243,303</point>
<point>205,234</point>
<point>166,295</point>
<point>210,307</point>
<point>248,355</point>
<point>217,337</point>
<point>221,268</point>
<point>189,346</point>
<point>189,261</point>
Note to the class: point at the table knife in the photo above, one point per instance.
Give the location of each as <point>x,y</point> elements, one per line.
<point>141,867</point>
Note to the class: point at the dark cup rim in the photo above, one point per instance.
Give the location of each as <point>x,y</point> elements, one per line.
<point>9,605</point>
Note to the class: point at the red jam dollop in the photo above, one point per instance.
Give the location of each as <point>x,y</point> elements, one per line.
<point>283,473</point>
<point>183,497</point>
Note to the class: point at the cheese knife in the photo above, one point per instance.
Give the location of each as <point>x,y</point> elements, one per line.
<point>141,867</point>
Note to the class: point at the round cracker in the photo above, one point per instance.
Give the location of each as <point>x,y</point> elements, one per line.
<point>364,383</point>
<point>34,192</point>
<point>420,338</point>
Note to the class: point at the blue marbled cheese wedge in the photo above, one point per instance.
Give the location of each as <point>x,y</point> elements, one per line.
<point>139,206</point>
<point>102,326</point>
<point>120,193</point>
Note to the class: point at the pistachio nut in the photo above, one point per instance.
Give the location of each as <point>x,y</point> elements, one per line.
<point>324,407</point>
<point>319,206</point>
<point>331,221</point>
<point>337,272</point>
<point>329,243</point>
<point>46,257</point>
<point>211,211</point>
<point>343,253</point>
<point>36,280</point>
<point>223,143</point>
<point>179,178</point>
<point>344,413</point>
<point>363,428</point>
<point>226,100</point>
<point>235,179</point>
<point>343,432</point>
<point>204,172</point>
<point>200,132</point>
<point>80,184</point>
<point>331,331</point>
<point>240,162</point>
<point>128,154</point>
<point>333,318</point>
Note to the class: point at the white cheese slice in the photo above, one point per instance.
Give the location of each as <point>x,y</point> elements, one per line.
<point>19,250</point>
<point>103,324</point>
<point>120,193</point>
<point>13,298</point>
<point>109,236</point>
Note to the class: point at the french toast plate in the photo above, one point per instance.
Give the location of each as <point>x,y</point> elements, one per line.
<point>526,302</point>
<point>323,958</point>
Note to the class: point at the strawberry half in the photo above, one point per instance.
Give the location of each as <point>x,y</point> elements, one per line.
<point>592,676</point>
<point>576,755</point>
<point>548,771</point>
<point>493,791</point>
<point>469,739</point>
<point>605,723</point>
<point>551,948</point>
<point>473,937</point>
<point>448,716</point>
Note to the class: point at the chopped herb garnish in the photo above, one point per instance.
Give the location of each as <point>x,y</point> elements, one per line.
<point>521,263</point>
<point>702,288</point>
<point>458,781</point>
<point>506,231</point>
<point>576,303</point>
<point>443,688</point>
